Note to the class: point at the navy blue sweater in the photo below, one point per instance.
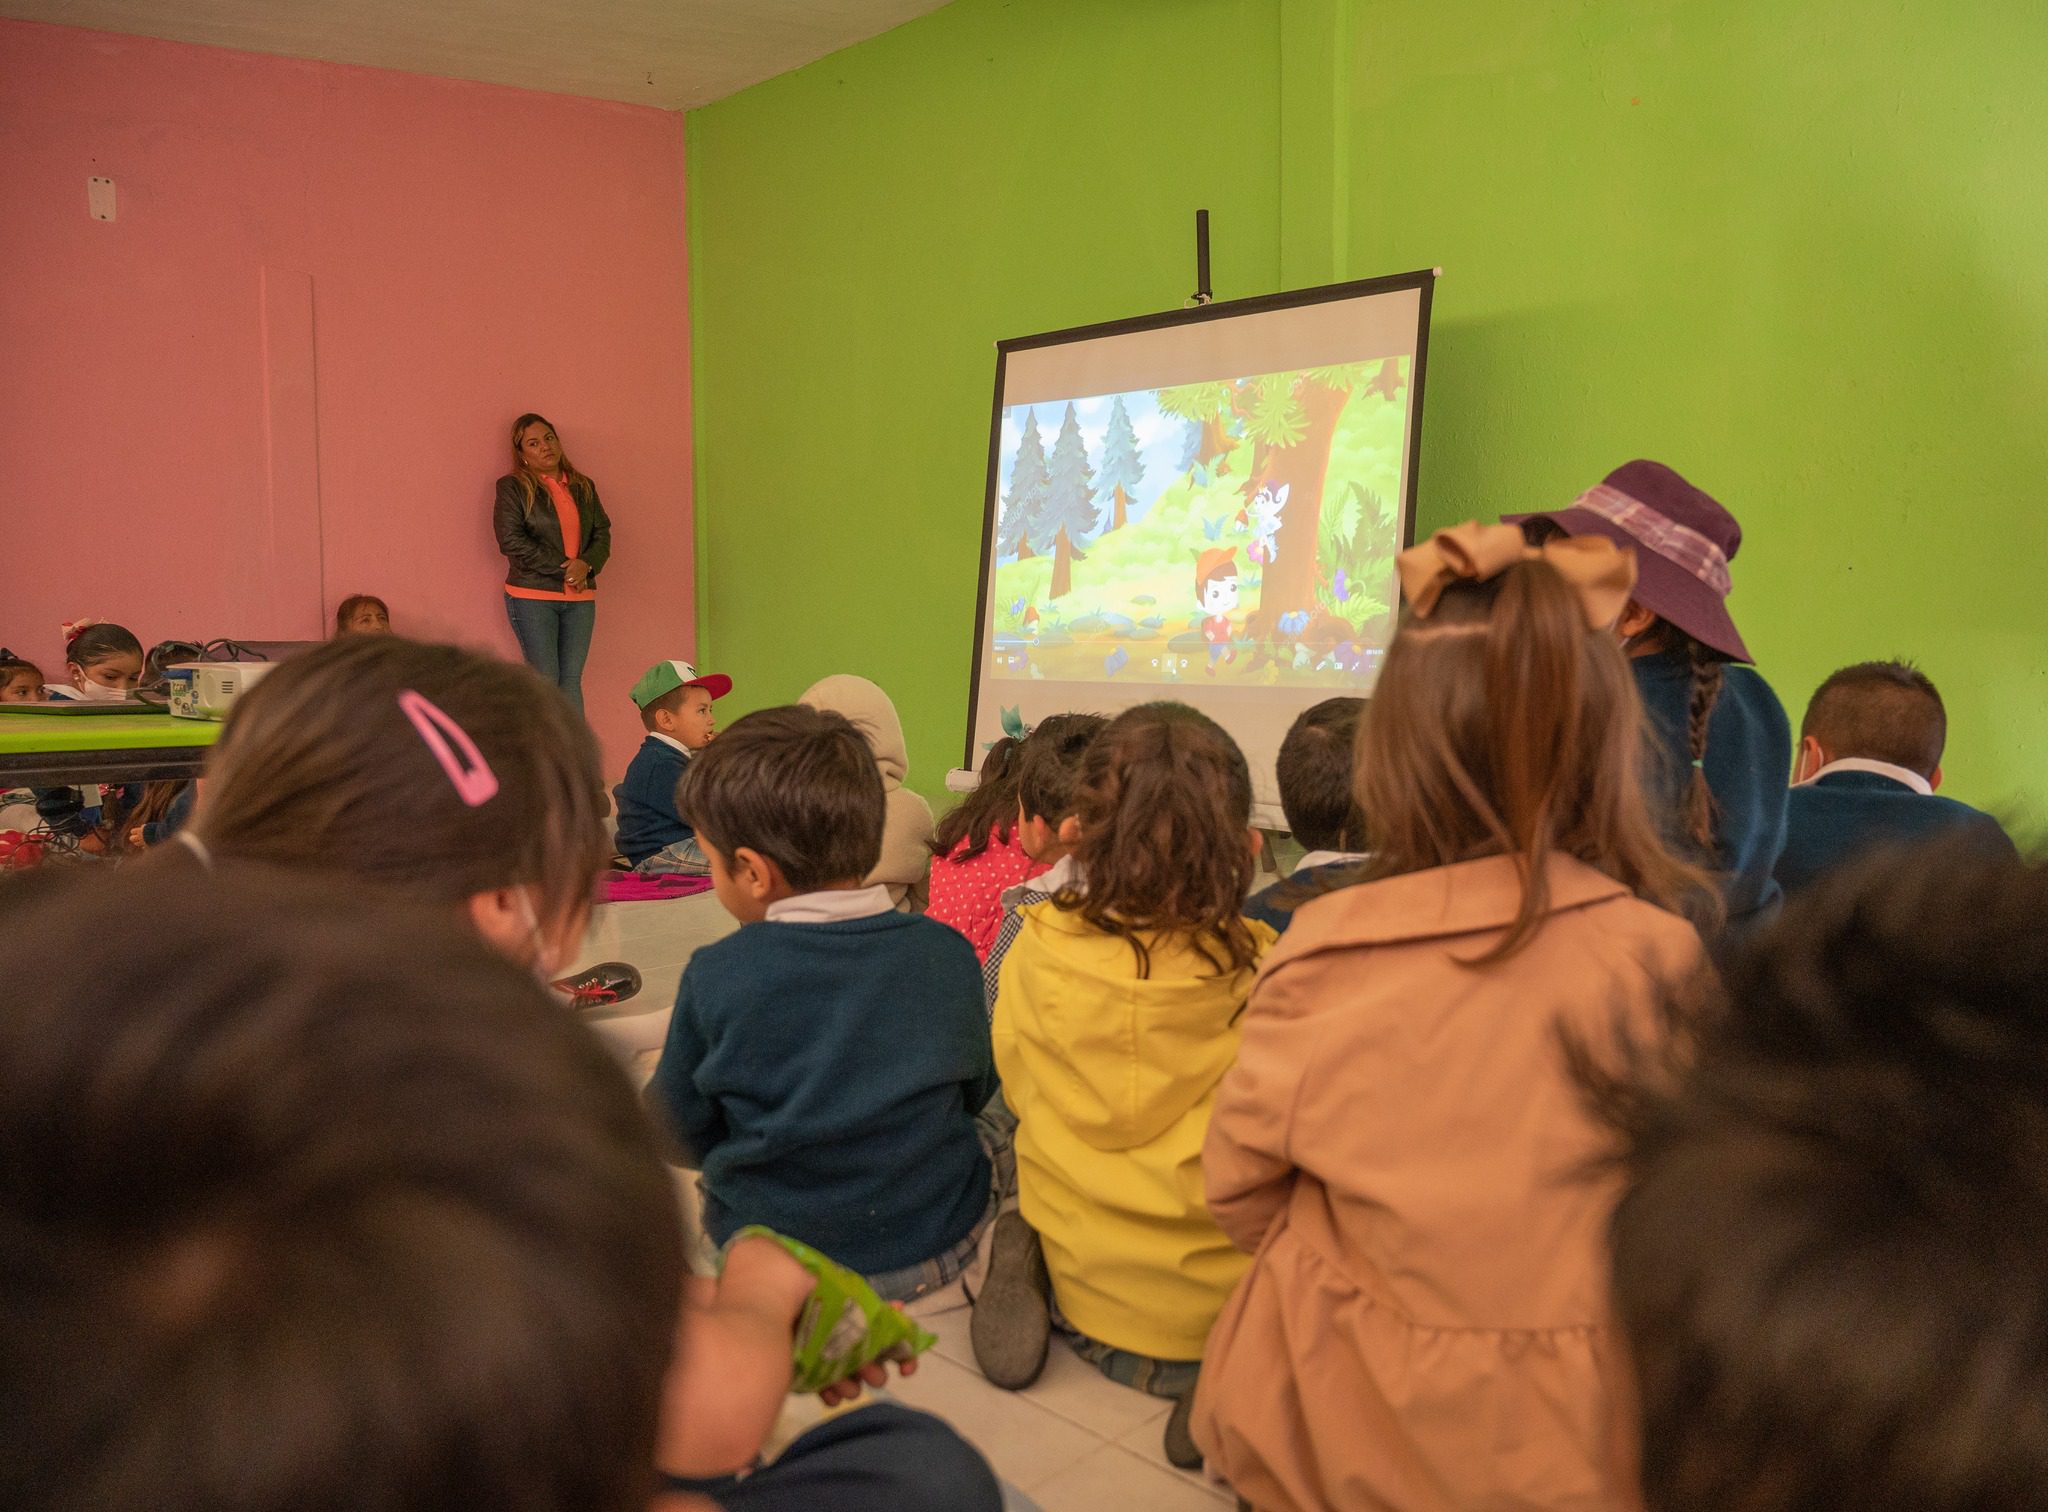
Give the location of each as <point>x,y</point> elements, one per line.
<point>1845,813</point>
<point>1748,763</point>
<point>648,821</point>
<point>1275,905</point>
<point>825,1078</point>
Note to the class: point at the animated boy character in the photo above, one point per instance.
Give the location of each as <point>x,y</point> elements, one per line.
<point>1216,590</point>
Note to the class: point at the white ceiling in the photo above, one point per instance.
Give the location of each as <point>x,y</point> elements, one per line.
<point>671,53</point>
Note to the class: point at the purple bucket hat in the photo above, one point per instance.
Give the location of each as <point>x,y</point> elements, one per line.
<point>1683,540</point>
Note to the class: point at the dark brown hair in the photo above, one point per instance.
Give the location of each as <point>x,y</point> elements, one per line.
<point>346,610</point>
<point>1880,711</point>
<point>1708,670</point>
<point>1051,764</point>
<point>529,480</point>
<point>317,1203</point>
<point>320,768</point>
<point>988,815</point>
<point>797,784</point>
<point>102,642</point>
<point>1827,1259</point>
<point>669,703</point>
<point>1314,771</point>
<point>1502,725</point>
<point>1165,805</point>
<point>12,666</point>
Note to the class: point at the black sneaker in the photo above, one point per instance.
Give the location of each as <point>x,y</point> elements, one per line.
<point>1012,1324</point>
<point>1181,1452</point>
<point>600,986</point>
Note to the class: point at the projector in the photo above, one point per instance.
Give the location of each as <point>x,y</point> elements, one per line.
<point>207,690</point>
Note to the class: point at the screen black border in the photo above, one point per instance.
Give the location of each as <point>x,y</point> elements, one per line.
<point>1423,280</point>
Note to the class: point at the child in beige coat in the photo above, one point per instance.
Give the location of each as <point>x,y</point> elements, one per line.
<point>1400,1143</point>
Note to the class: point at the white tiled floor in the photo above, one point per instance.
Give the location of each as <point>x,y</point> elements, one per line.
<point>1074,1442</point>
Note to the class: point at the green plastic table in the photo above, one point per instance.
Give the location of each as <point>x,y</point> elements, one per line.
<point>44,750</point>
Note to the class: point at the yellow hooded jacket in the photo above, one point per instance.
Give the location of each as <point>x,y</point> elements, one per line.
<point>1112,1076</point>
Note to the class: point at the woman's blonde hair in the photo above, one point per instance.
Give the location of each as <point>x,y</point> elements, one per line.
<point>1503,725</point>
<point>529,480</point>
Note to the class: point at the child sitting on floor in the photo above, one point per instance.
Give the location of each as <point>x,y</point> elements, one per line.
<point>394,1188</point>
<point>977,855</point>
<point>674,701</point>
<point>1827,1263</point>
<point>1314,773</point>
<point>1721,738</point>
<point>461,780</point>
<point>1116,1018</point>
<point>1047,771</point>
<point>905,862</point>
<point>1400,1141</point>
<point>1869,763</point>
<point>825,1065</point>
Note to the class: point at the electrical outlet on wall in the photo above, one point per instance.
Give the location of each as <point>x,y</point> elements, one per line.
<point>99,198</point>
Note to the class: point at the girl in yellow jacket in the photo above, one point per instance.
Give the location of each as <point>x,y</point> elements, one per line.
<point>1116,1016</point>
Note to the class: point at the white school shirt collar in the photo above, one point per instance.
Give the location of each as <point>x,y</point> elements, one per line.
<point>832,907</point>
<point>1064,873</point>
<point>671,740</point>
<point>1903,775</point>
<point>1314,859</point>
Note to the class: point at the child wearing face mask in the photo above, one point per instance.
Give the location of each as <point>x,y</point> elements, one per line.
<point>461,780</point>
<point>102,663</point>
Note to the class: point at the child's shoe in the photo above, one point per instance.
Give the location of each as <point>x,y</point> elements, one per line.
<point>1012,1324</point>
<point>600,986</point>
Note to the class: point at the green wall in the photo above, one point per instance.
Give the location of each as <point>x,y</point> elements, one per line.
<point>1796,250</point>
<point>862,233</point>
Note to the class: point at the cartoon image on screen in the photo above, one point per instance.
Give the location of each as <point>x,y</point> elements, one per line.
<point>1239,531</point>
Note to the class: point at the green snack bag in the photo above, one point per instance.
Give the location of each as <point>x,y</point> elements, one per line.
<point>844,1325</point>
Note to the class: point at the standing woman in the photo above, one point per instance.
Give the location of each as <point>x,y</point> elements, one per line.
<point>556,538</point>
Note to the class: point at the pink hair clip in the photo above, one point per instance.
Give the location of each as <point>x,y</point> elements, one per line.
<point>72,629</point>
<point>474,781</point>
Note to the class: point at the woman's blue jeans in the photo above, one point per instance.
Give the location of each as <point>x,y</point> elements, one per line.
<point>554,637</point>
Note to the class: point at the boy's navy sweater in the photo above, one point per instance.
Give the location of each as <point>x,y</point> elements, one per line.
<point>648,821</point>
<point>1275,905</point>
<point>1748,763</point>
<point>1844,814</point>
<point>826,1077</point>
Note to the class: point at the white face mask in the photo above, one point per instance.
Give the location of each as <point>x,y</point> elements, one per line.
<point>99,692</point>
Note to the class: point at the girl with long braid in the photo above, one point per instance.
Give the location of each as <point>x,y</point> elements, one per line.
<point>1722,746</point>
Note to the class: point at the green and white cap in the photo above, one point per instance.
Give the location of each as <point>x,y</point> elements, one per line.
<point>667,676</point>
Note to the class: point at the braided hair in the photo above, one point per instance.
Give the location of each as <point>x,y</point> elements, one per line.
<point>1709,670</point>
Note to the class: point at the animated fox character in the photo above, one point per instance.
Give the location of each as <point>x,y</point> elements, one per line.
<point>1265,522</point>
<point>1216,592</point>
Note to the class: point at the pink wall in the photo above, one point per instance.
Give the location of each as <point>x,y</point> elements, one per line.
<point>284,373</point>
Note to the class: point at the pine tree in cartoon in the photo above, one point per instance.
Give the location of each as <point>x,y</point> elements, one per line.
<point>1070,512</point>
<point>1122,468</point>
<point>1025,507</point>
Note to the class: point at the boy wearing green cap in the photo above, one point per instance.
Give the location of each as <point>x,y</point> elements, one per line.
<point>675,706</point>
